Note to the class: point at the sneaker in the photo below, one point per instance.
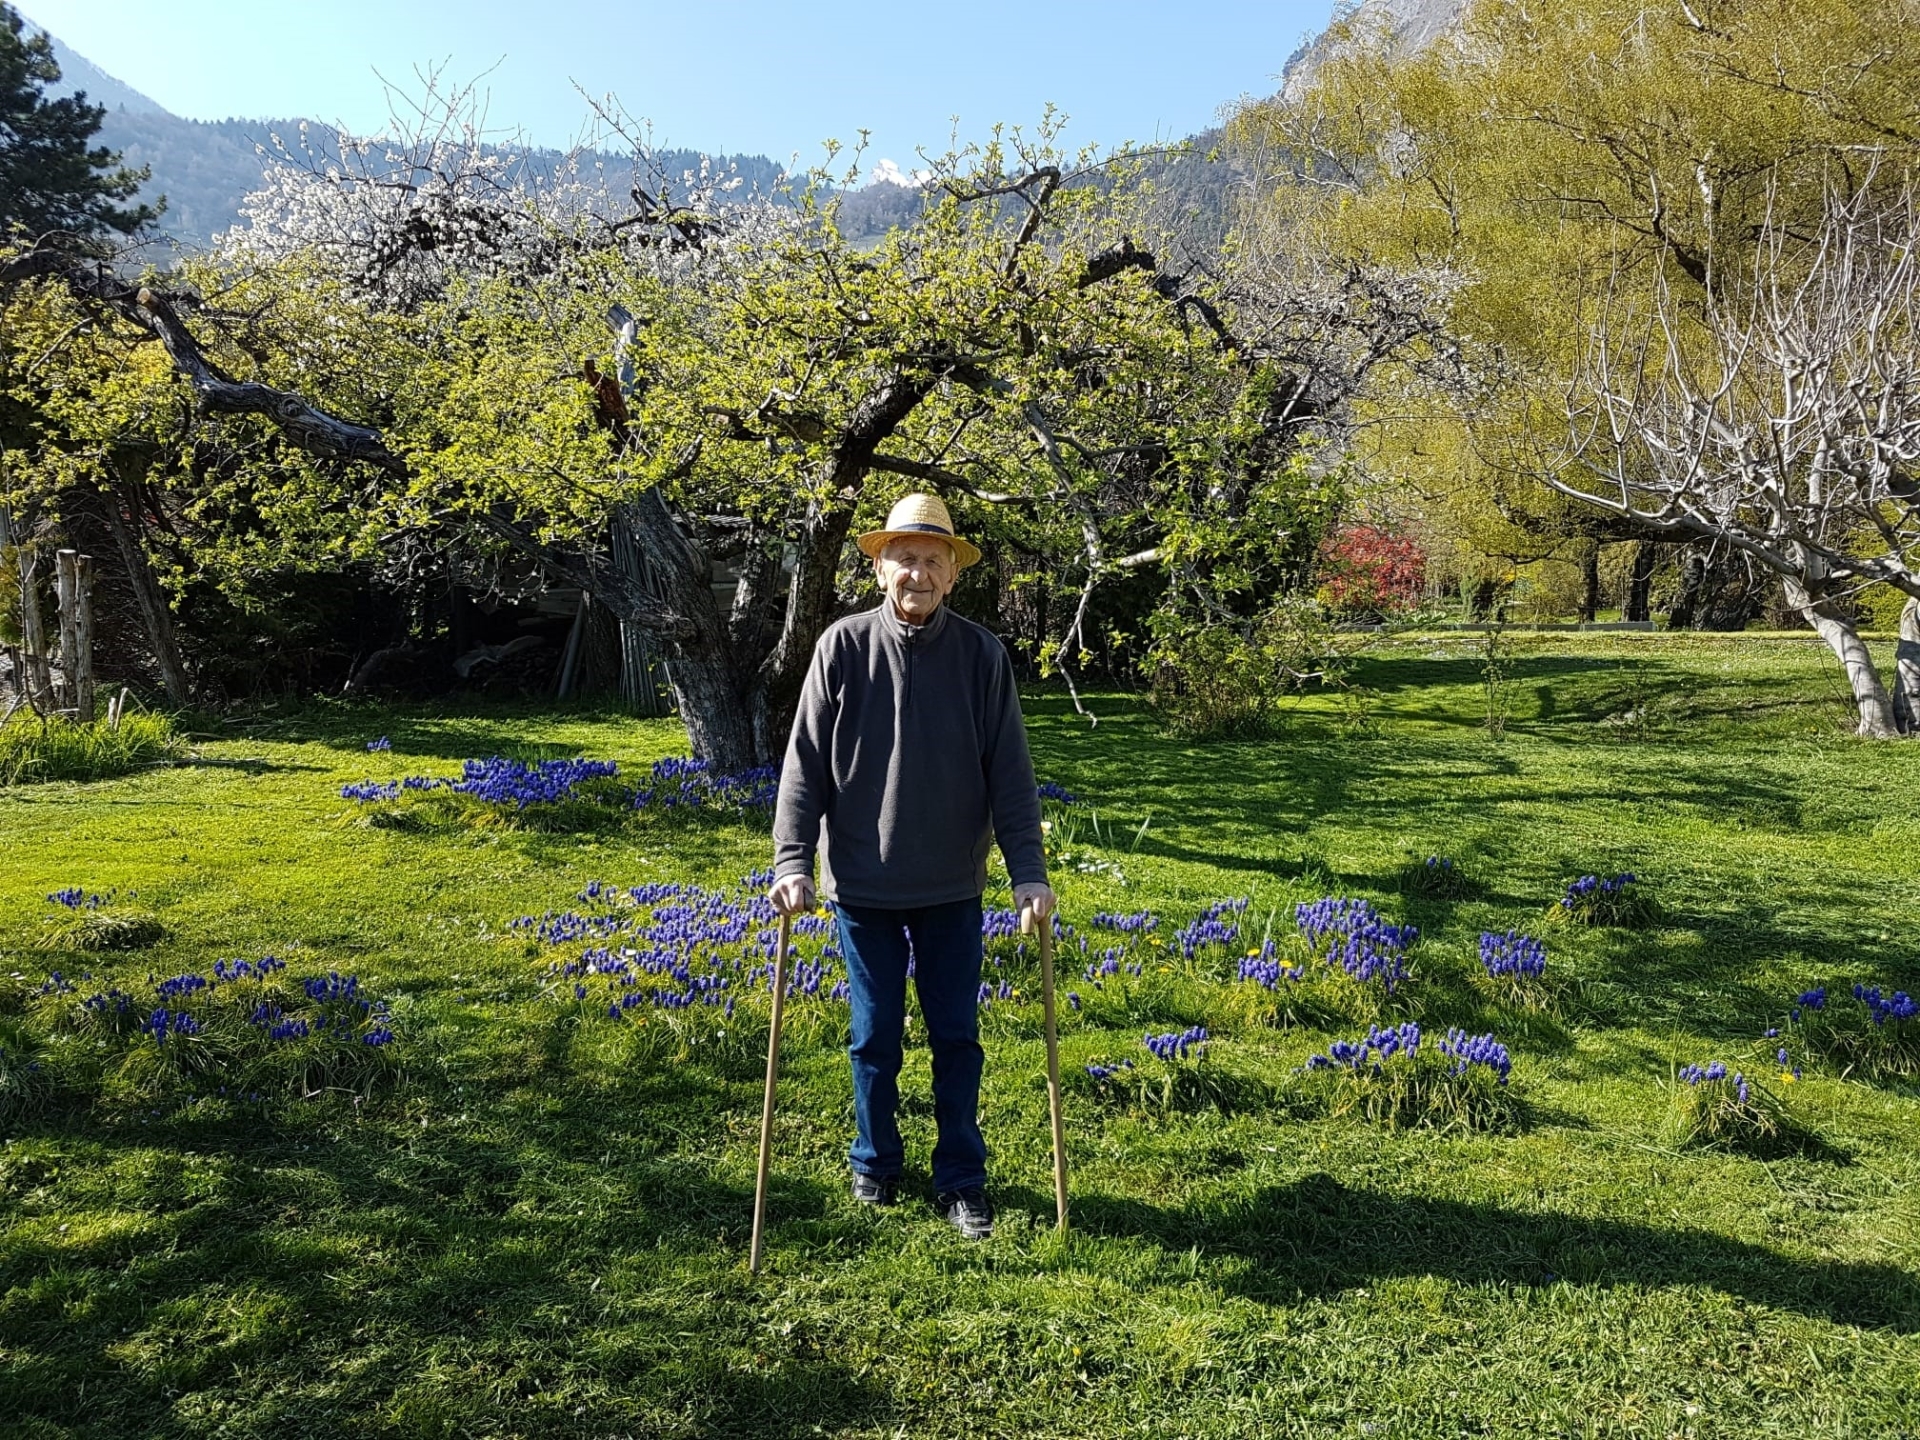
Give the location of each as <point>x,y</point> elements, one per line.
<point>875,1189</point>
<point>968,1211</point>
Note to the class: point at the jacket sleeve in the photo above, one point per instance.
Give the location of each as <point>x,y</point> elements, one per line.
<point>1011,794</point>
<point>805,775</point>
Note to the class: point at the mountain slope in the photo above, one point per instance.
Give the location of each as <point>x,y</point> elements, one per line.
<point>77,73</point>
<point>206,168</point>
<point>1414,24</point>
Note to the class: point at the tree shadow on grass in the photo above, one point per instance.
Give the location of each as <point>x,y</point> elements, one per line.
<point>535,1257</point>
<point>1317,1236</point>
<point>452,731</point>
<point>253,765</point>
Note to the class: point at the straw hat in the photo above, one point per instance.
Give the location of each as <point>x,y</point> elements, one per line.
<point>919,515</point>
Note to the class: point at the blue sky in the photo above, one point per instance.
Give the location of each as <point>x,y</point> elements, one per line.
<point>736,77</point>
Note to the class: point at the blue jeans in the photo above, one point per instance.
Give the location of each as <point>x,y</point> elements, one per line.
<point>944,944</point>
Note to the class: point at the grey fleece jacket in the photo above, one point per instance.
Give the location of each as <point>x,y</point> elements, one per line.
<point>908,758</point>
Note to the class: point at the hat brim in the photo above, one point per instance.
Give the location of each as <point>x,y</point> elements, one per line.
<point>965,552</point>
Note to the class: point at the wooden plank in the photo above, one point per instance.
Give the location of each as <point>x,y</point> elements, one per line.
<point>66,581</point>
<point>82,662</point>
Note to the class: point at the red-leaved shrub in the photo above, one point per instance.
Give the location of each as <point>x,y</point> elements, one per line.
<point>1366,569</point>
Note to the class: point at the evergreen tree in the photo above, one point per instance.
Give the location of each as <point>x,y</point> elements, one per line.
<point>49,178</point>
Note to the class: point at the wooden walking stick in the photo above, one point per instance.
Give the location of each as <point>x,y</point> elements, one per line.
<point>1053,1073</point>
<point>766,1105</point>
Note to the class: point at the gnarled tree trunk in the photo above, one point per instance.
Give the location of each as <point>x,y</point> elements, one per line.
<point>713,690</point>
<point>156,615</point>
<point>1906,689</point>
<point>1863,677</point>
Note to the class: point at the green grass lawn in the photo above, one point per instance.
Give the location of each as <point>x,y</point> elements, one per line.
<point>542,1230</point>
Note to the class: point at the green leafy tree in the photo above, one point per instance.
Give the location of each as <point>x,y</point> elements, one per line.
<point>51,179</point>
<point>440,363</point>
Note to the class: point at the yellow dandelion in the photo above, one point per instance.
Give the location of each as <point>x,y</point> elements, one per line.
<point>1787,1077</point>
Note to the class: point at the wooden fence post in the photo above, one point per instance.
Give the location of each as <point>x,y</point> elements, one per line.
<point>81,666</point>
<point>66,580</point>
<point>38,676</point>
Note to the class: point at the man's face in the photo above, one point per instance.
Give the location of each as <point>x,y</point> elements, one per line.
<point>916,572</point>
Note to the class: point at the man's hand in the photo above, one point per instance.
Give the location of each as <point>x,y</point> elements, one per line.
<point>1035,904</point>
<point>791,895</point>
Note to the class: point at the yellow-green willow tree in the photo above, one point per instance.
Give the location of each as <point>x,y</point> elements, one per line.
<point>1595,171</point>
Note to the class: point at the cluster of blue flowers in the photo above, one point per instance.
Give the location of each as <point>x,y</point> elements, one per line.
<point>59,984</point>
<point>179,986</point>
<point>344,1008</point>
<point>114,1001</point>
<point>1107,963</point>
<point>333,986</point>
<point>1590,891</point>
<point>1051,791</point>
<point>566,927</point>
<point>278,1025</point>
<point>1174,1045</point>
<point>1468,1050</point>
<point>495,781</point>
<point>1376,1046</point>
<point>991,991</point>
<point>375,746</point>
<point>230,971</point>
<point>675,783</point>
<point>1141,922</point>
<point>1512,954</point>
<point>163,1022</point>
<point>1218,924</point>
<point>1355,936</point>
<point>681,946</point>
<point>1814,999</point>
<point>347,1008</point>
<point>500,781</point>
<point>76,897</point>
<point>1898,1007</point>
<point>999,924</point>
<point>1715,1071</point>
<point>680,782</point>
<point>1264,968</point>
<point>1107,1072</point>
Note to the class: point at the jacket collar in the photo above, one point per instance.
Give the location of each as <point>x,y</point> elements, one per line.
<point>904,631</point>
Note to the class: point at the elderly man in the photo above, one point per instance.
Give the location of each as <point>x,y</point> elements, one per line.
<point>908,759</point>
